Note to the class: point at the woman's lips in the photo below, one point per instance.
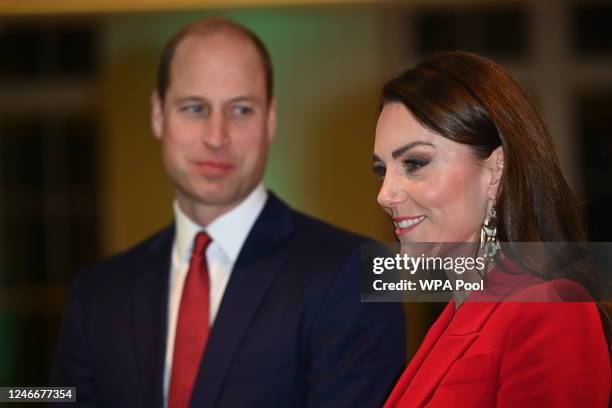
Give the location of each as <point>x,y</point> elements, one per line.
<point>406,224</point>
<point>214,168</point>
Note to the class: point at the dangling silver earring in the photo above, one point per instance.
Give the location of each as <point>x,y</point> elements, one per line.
<point>488,234</point>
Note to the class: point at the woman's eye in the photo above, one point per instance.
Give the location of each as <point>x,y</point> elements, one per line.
<point>412,165</point>
<point>379,170</point>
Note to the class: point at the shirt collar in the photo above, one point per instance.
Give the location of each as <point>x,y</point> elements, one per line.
<point>229,231</point>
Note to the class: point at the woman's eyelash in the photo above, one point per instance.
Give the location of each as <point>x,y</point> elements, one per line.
<point>379,170</point>
<point>412,165</point>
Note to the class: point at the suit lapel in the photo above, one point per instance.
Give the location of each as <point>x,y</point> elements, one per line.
<point>462,332</point>
<point>256,267</point>
<point>430,340</point>
<point>149,306</point>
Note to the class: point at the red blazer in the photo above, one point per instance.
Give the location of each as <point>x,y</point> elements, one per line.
<point>510,354</point>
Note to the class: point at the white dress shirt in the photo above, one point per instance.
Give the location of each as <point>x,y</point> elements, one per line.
<point>228,233</point>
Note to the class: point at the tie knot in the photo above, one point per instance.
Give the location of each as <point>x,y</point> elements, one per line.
<point>200,243</point>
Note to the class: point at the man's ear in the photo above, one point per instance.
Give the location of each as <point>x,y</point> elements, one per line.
<point>271,120</point>
<point>495,164</point>
<point>157,115</point>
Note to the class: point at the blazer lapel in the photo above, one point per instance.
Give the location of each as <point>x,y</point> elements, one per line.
<point>149,306</point>
<point>430,340</point>
<point>256,267</point>
<point>462,332</point>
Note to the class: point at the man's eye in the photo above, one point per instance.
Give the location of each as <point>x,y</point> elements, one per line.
<point>192,108</point>
<point>241,110</point>
<point>379,170</point>
<point>413,165</point>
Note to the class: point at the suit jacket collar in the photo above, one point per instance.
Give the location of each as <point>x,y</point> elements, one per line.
<point>149,315</point>
<point>256,267</point>
<point>228,231</point>
<point>429,342</point>
<point>452,334</point>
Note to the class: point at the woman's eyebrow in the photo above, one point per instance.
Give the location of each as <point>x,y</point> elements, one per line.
<point>398,152</point>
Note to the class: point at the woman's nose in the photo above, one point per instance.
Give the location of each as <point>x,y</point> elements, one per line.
<point>392,192</point>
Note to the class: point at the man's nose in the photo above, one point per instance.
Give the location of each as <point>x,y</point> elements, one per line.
<point>392,192</point>
<point>216,134</point>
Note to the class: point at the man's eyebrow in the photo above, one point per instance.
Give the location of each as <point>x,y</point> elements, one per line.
<point>376,158</point>
<point>183,99</point>
<point>398,152</point>
<point>245,98</point>
<point>192,98</point>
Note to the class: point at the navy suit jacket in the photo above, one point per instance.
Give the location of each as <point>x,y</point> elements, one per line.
<point>290,331</point>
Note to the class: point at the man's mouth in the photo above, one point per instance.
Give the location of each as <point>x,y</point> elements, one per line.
<point>213,168</point>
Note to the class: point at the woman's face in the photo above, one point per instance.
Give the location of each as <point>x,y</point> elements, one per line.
<point>434,189</point>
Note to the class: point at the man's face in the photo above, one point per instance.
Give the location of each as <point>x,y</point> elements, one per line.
<point>216,122</point>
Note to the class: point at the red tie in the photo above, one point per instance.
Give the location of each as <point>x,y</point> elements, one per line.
<point>191,327</point>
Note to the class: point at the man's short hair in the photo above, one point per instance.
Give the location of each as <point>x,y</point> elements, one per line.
<point>206,27</point>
